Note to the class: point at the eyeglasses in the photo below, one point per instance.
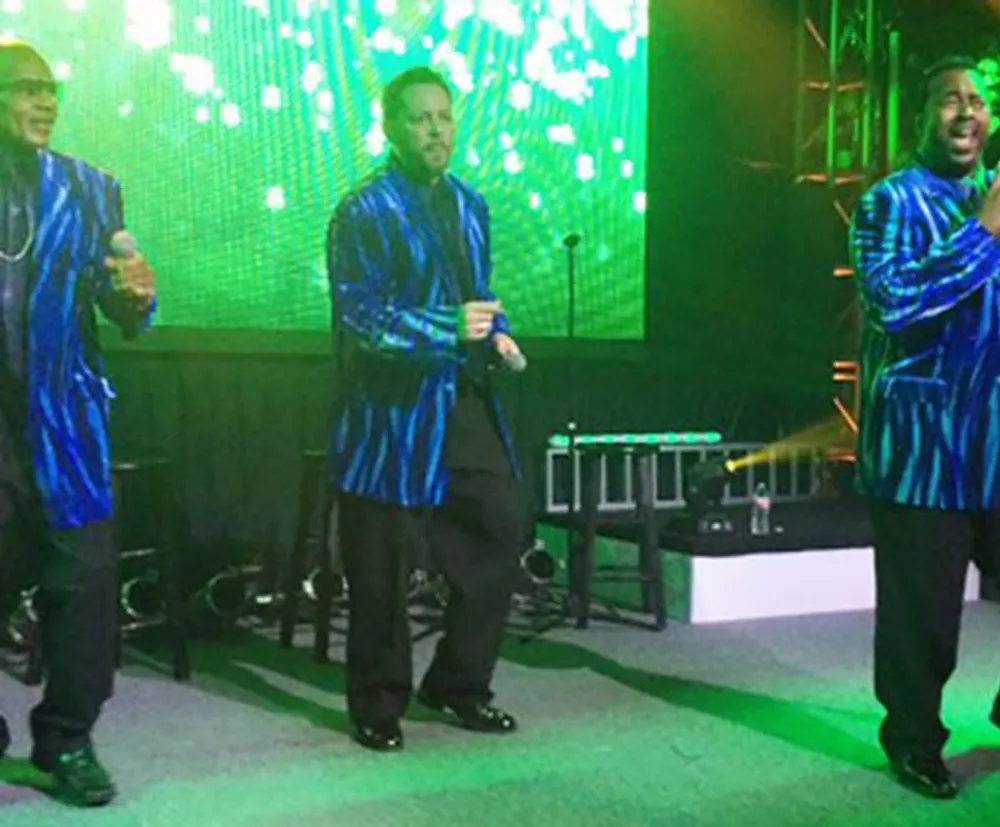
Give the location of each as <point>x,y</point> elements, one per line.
<point>34,88</point>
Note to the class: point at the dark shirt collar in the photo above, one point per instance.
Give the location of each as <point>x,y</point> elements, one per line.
<point>968,188</point>
<point>18,161</point>
<point>975,179</point>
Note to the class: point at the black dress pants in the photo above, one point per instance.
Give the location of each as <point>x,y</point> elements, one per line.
<point>922,557</point>
<point>75,572</point>
<point>473,538</point>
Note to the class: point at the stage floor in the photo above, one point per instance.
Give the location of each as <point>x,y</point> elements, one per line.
<point>758,723</point>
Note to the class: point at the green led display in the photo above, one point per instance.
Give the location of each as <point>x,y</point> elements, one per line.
<point>236,125</point>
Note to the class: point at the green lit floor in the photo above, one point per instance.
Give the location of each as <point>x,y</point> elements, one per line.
<point>768,723</point>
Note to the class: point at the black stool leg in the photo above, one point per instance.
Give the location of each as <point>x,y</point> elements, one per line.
<point>308,480</point>
<point>324,598</point>
<point>168,557</point>
<point>34,669</point>
<point>116,533</point>
<point>641,476</point>
<point>589,497</point>
<point>650,558</point>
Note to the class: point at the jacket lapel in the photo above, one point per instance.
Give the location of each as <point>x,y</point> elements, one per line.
<point>54,215</point>
<point>54,278</point>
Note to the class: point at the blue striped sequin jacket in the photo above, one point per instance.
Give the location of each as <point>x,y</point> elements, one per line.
<point>395,296</point>
<point>929,431</point>
<point>79,207</point>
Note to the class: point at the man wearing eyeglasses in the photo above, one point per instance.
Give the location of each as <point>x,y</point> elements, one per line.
<point>60,220</point>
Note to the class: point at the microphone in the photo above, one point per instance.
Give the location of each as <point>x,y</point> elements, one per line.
<point>515,362</point>
<point>123,244</point>
<point>571,240</point>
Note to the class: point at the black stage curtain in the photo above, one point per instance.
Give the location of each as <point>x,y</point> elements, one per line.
<point>235,425</point>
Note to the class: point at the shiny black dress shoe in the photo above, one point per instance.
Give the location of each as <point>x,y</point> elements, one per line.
<point>381,738</point>
<point>79,778</point>
<point>926,775</point>
<point>472,716</point>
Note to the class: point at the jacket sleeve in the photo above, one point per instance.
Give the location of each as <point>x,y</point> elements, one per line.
<point>358,266</point>
<point>117,309</point>
<point>902,282</point>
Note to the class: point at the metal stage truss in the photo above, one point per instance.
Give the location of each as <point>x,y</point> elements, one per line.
<point>788,478</point>
<point>846,118</point>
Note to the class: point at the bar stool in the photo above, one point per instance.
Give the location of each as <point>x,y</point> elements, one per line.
<point>146,600</point>
<point>149,595</point>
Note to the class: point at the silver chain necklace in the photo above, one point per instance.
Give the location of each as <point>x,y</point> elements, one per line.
<point>14,259</point>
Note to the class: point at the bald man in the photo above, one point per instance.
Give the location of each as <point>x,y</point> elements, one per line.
<point>58,217</point>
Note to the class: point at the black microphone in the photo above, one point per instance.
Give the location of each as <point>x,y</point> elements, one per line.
<point>571,240</point>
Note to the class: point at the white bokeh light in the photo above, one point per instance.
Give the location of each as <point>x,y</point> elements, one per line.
<point>275,199</point>
<point>149,23</point>
<point>585,167</point>
<point>271,97</point>
<point>229,114</point>
<point>513,163</point>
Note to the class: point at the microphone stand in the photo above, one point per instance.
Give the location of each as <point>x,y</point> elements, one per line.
<point>562,610</point>
<point>570,243</point>
<point>572,530</point>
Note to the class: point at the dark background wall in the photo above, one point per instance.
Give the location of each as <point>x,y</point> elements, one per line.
<point>738,276</point>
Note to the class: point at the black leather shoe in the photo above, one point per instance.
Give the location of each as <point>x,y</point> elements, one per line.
<point>476,717</point>
<point>381,738</point>
<point>4,737</point>
<point>995,712</point>
<point>927,776</point>
<point>79,777</point>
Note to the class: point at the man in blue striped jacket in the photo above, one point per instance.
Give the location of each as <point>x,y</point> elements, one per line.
<point>419,442</point>
<point>58,220</point>
<point>925,244</point>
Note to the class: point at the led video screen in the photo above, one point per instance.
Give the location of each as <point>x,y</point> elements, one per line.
<point>236,125</point>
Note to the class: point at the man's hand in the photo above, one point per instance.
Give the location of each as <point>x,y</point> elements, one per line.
<point>505,345</point>
<point>475,320</point>
<point>133,280</point>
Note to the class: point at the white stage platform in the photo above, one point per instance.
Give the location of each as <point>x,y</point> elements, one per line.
<point>782,584</point>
